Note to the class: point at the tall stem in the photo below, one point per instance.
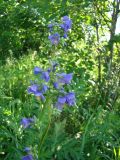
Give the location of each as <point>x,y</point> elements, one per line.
<point>98,49</point>
<point>47,108</point>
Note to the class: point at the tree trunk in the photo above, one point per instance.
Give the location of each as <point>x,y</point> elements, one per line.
<point>116,5</point>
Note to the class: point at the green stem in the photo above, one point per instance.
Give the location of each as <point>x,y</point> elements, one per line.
<point>46,131</point>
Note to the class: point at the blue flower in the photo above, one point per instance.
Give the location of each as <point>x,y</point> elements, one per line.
<point>33,88</point>
<point>25,122</point>
<point>55,38</point>
<point>65,78</point>
<point>65,35</point>
<point>67,23</point>
<point>37,70</point>
<point>65,18</point>
<point>56,85</point>
<point>70,98</point>
<point>49,70</point>
<point>44,88</point>
<point>66,26</point>
<point>39,94</point>
<point>50,26</point>
<point>60,103</point>
<point>61,100</point>
<point>45,76</point>
<point>27,149</point>
<point>27,157</point>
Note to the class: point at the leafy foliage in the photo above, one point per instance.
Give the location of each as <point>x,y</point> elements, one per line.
<point>90,129</point>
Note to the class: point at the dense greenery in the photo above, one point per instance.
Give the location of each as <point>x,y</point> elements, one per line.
<point>91,128</point>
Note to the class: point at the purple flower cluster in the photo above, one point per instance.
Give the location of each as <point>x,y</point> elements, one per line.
<point>36,91</point>
<point>68,98</point>
<point>40,90</point>
<point>37,70</point>
<point>58,81</point>
<point>48,81</point>
<point>55,83</point>
<point>28,157</point>
<point>45,76</point>
<point>65,78</point>
<point>65,26</point>
<point>54,38</point>
<point>50,26</point>
<point>26,122</point>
